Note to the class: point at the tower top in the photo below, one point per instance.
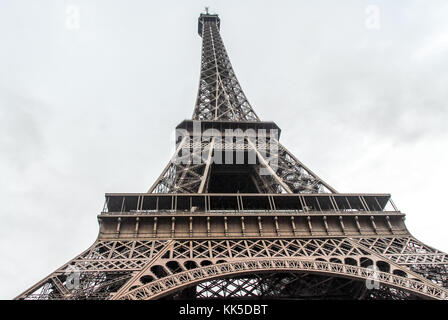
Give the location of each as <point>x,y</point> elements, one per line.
<point>205,17</point>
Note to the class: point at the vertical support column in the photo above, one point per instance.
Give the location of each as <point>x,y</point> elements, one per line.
<point>137,223</point>
<point>389,224</point>
<point>118,226</point>
<point>207,166</point>
<point>372,220</point>
<point>260,226</point>
<point>208,227</point>
<point>357,224</point>
<point>226,227</point>
<point>277,229</point>
<point>341,222</point>
<point>173,226</point>
<point>326,224</point>
<point>293,225</point>
<point>155,228</point>
<point>308,219</point>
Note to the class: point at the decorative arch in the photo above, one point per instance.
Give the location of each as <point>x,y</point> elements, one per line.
<point>174,282</point>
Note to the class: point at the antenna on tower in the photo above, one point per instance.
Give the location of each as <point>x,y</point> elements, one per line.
<point>206,10</point>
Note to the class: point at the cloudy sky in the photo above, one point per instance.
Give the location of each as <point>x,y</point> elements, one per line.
<point>90,93</point>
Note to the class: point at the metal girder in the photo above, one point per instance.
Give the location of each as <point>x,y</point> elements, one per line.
<point>287,285</point>
<point>189,168</point>
<point>150,269</point>
<point>408,251</point>
<point>180,240</point>
<point>220,96</point>
<point>178,281</point>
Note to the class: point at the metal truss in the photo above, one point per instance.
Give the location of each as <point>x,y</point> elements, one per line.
<point>287,286</point>
<point>220,96</point>
<point>288,235</point>
<point>168,284</point>
<point>295,176</point>
<point>189,169</point>
<point>153,269</point>
<point>100,270</point>
<point>408,251</point>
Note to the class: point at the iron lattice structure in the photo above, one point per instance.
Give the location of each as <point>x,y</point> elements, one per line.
<point>262,225</point>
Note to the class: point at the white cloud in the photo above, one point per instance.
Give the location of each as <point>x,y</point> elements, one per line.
<point>433,47</point>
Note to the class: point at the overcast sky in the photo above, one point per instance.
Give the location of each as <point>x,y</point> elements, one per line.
<point>90,93</point>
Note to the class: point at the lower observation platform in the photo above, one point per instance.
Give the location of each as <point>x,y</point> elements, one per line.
<point>244,216</point>
<point>239,202</point>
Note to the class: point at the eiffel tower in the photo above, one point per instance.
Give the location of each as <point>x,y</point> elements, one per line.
<point>234,214</point>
